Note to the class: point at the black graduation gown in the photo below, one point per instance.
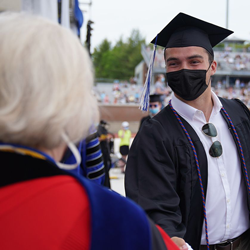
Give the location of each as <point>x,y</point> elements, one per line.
<point>143,119</point>
<point>161,174</point>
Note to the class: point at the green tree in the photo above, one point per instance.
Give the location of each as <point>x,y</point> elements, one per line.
<point>118,62</point>
<point>100,55</point>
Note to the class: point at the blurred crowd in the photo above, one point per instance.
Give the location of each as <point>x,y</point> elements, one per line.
<point>127,93</point>
<point>119,93</point>
<point>240,90</point>
<point>232,60</point>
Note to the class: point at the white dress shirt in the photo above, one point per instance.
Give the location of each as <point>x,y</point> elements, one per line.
<point>226,200</point>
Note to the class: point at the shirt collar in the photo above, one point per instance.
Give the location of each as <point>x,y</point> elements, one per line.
<point>187,111</point>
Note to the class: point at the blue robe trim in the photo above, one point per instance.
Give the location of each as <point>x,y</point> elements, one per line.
<point>103,201</point>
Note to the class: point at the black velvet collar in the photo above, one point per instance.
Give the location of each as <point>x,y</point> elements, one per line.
<point>17,167</point>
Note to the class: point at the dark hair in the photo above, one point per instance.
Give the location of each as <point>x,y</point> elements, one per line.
<point>102,122</point>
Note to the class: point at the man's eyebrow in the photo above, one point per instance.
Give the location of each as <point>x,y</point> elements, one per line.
<point>172,59</point>
<point>195,56</point>
<point>190,57</point>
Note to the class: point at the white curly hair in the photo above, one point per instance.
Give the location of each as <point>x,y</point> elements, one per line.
<point>46,80</point>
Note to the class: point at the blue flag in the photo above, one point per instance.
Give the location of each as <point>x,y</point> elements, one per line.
<point>78,16</point>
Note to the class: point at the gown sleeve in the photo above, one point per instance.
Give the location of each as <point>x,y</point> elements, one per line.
<point>151,178</point>
<point>160,240</point>
<point>93,165</point>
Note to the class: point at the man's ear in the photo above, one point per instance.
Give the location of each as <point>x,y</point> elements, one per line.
<point>213,67</point>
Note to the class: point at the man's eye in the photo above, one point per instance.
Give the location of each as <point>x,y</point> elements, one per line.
<point>195,62</point>
<point>172,64</point>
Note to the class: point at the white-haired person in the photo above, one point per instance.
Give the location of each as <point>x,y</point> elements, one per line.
<point>46,105</point>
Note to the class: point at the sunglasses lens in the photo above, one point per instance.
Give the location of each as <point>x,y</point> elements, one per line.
<point>209,129</point>
<point>153,105</point>
<point>216,149</point>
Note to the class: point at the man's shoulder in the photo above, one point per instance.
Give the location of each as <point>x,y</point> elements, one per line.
<point>235,108</point>
<point>164,115</point>
<point>164,120</point>
<point>230,103</point>
<point>145,118</point>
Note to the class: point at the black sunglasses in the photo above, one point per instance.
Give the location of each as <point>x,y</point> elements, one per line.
<point>210,130</point>
<point>153,105</point>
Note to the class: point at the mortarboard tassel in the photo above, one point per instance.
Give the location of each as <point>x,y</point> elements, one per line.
<point>144,100</point>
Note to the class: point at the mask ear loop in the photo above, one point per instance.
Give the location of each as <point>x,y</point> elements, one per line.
<point>74,151</point>
<point>209,66</point>
<point>207,71</point>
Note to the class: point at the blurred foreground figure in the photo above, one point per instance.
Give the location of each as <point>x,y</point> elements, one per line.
<point>46,105</point>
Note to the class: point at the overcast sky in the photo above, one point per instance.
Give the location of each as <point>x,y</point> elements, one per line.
<point>116,18</point>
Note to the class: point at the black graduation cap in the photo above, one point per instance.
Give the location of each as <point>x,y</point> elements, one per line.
<point>102,122</point>
<point>154,98</point>
<point>185,31</point>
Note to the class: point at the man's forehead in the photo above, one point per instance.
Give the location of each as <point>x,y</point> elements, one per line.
<point>185,52</point>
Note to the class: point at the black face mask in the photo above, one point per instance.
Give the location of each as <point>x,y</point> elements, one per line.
<point>188,84</point>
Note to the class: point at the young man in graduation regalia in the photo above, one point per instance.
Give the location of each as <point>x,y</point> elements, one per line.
<point>189,166</point>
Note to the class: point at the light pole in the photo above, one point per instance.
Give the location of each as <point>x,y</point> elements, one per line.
<point>227,14</point>
<point>227,77</point>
